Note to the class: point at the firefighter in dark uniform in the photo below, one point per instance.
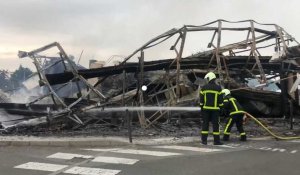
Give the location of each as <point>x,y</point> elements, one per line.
<point>234,110</point>
<point>211,99</point>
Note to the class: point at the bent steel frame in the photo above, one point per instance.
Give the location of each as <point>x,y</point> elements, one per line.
<point>217,62</point>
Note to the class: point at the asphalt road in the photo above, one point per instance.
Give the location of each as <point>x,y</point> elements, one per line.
<point>253,157</point>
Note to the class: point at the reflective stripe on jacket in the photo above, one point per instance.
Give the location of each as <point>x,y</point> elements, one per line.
<point>211,97</point>
<point>232,105</point>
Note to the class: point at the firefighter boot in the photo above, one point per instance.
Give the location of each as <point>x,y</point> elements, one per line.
<point>204,139</point>
<point>226,137</point>
<point>243,138</point>
<point>217,140</point>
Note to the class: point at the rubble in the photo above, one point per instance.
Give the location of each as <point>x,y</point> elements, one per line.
<point>67,94</point>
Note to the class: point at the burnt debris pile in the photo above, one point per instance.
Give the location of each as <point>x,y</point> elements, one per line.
<point>260,63</point>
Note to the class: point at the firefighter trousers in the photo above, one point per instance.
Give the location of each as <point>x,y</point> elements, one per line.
<point>236,119</point>
<point>210,116</point>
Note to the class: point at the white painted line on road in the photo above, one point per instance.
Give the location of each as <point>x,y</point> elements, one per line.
<point>275,149</point>
<point>146,152</point>
<point>68,156</point>
<point>188,148</point>
<point>278,149</point>
<point>295,141</point>
<point>102,149</point>
<point>265,148</point>
<point>234,144</point>
<point>282,150</point>
<point>246,146</point>
<point>139,152</point>
<point>115,160</point>
<point>225,146</point>
<point>41,166</point>
<point>261,138</point>
<point>91,171</point>
<point>294,151</point>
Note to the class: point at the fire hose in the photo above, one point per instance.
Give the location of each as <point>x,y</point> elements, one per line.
<point>269,131</point>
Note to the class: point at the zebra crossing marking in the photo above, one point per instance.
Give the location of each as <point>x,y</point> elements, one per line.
<point>275,149</point>
<point>73,170</point>
<point>91,171</point>
<point>225,146</point>
<point>188,148</point>
<point>294,151</point>
<point>103,159</point>
<point>115,160</point>
<point>80,170</point>
<point>68,156</point>
<point>282,150</point>
<point>41,166</point>
<point>265,148</point>
<point>278,149</point>
<point>139,152</point>
<point>146,152</point>
<point>295,141</point>
<point>102,149</point>
<point>233,144</point>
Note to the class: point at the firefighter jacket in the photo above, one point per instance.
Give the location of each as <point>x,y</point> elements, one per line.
<point>232,106</point>
<point>211,97</point>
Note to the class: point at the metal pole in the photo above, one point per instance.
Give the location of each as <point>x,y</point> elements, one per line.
<point>291,115</point>
<point>284,94</point>
<point>142,117</point>
<point>141,78</point>
<point>253,51</point>
<point>219,66</point>
<point>128,116</point>
<point>123,87</point>
<point>178,65</point>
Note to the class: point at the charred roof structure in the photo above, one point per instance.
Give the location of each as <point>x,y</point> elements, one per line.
<point>261,70</point>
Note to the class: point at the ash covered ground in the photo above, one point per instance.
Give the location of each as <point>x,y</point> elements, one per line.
<point>173,128</point>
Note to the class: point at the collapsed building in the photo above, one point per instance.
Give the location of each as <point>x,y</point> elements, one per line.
<point>261,69</point>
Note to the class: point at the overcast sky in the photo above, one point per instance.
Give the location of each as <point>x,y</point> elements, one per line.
<point>117,27</point>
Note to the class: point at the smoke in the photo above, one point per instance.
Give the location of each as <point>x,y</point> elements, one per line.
<point>28,92</point>
<point>7,119</point>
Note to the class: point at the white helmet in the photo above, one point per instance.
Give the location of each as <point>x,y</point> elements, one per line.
<point>210,76</point>
<point>226,92</point>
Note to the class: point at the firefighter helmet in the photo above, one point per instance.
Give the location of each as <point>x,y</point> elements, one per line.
<point>226,92</point>
<point>210,76</point>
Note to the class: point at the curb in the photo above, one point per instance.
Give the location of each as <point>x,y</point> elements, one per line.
<point>63,141</point>
<point>98,141</point>
<point>90,141</point>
